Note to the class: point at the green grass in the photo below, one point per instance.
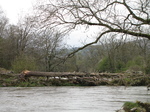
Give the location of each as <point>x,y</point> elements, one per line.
<point>130,105</point>
<point>136,107</point>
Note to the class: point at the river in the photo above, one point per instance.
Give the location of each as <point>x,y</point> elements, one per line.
<point>69,99</point>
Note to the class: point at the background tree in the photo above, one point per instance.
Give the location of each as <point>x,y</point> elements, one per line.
<point>3,31</point>
<point>28,46</point>
<point>48,45</point>
<point>15,42</point>
<point>3,23</point>
<point>144,48</point>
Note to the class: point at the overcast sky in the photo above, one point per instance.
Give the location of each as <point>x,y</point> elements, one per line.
<point>14,9</point>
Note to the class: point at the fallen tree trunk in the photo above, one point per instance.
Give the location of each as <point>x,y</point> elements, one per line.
<point>55,74</point>
<point>27,73</point>
<point>71,75</point>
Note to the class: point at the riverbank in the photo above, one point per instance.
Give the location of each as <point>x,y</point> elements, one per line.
<point>9,80</point>
<point>135,107</point>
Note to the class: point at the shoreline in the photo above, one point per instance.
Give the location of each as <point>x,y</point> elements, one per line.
<point>12,80</point>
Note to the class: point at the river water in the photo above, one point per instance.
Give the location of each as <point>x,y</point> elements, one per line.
<point>69,99</point>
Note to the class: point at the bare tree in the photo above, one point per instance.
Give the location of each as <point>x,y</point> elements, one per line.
<point>47,45</point>
<point>128,17</point>
<point>144,45</point>
<point>3,23</point>
<point>25,34</point>
<point>52,46</point>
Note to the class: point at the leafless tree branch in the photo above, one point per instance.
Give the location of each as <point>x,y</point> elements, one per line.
<point>128,17</point>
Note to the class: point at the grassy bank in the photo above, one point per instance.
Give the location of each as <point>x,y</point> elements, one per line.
<point>135,107</point>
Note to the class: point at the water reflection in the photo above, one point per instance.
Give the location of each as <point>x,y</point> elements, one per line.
<point>69,99</point>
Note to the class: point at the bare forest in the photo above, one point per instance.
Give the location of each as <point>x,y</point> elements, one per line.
<point>122,42</point>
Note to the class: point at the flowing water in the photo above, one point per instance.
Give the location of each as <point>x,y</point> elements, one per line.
<point>69,99</point>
